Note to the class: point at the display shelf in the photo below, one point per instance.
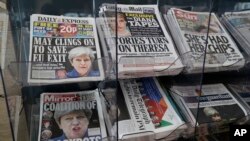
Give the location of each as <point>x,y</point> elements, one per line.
<point>16,61</point>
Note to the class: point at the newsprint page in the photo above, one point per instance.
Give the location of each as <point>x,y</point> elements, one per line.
<point>190,33</point>
<point>144,45</point>
<point>74,116</point>
<point>63,49</point>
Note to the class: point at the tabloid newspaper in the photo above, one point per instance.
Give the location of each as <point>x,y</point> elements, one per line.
<point>189,31</point>
<point>64,49</point>
<point>216,103</point>
<point>238,24</point>
<point>4,20</point>
<point>144,46</point>
<point>149,109</point>
<point>73,116</point>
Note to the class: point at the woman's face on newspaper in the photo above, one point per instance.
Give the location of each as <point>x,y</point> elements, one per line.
<point>82,64</point>
<point>74,125</point>
<point>121,24</point>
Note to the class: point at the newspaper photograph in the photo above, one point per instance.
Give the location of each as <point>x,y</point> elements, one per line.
<point>216,103</point>
<point>64,49</point>
<point>221,52</point>
<point>143,42</point>
<point>71,116</point>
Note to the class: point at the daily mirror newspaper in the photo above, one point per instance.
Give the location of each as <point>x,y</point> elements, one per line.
<point>63,49</point>
<point>71,116</point>
<point>143,43</point>
<point>190,30</point>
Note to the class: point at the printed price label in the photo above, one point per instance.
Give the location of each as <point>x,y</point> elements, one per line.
<point>67,30</point>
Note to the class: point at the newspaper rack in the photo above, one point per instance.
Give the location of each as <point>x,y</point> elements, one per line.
<point>17,69</point>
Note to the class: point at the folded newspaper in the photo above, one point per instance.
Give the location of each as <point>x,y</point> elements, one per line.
<point>238,23</point>
<point>190,30</point>
<point>216,104</point>
<point>71,116</point>
<point>144,47</point>
<point>242,92</point>
<point>64,49</point>
<point>149,110</point>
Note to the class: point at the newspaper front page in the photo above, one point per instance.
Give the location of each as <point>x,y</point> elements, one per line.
<point>221,54</point>
<point>63,49</point>
<point>71,116</point>
<point>144,45</point>
<point>216,103</point>
<point>149,108</point>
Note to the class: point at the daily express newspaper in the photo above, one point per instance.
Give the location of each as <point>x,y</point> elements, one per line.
<point>73,116</point>
<point>192,27</point>
<point>149,108</point>
<point>4,20</point>
<point>144,45</point>
<point>216,103</point>
<point>238,23</point>
<point>63,49</point>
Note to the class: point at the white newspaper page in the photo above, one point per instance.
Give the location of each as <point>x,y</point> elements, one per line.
<point>143,43</point>
<point>71,116</point>
<point>239,26</point>
<point>221,49</point>
<point>64,49</point>
<point>216,103</point>
<point>140,119</point>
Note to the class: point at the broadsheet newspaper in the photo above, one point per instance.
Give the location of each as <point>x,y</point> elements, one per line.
<point>64,49</point>
<point>190,33</point>
<point>144,46</point>
<point>238,24</point>
<point>216,103</point>
<point>149,108</point>
<point>4,20</point>
<point>73,116</point>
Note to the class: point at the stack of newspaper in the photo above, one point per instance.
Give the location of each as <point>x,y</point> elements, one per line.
<point>216,104</point>
<point>72,115</point>
<point>143,46</point>
<point>144,110</point>
<point>238,23</point>
<point>242,91</point>
<point>64,49</point>
<point>191,34</point>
